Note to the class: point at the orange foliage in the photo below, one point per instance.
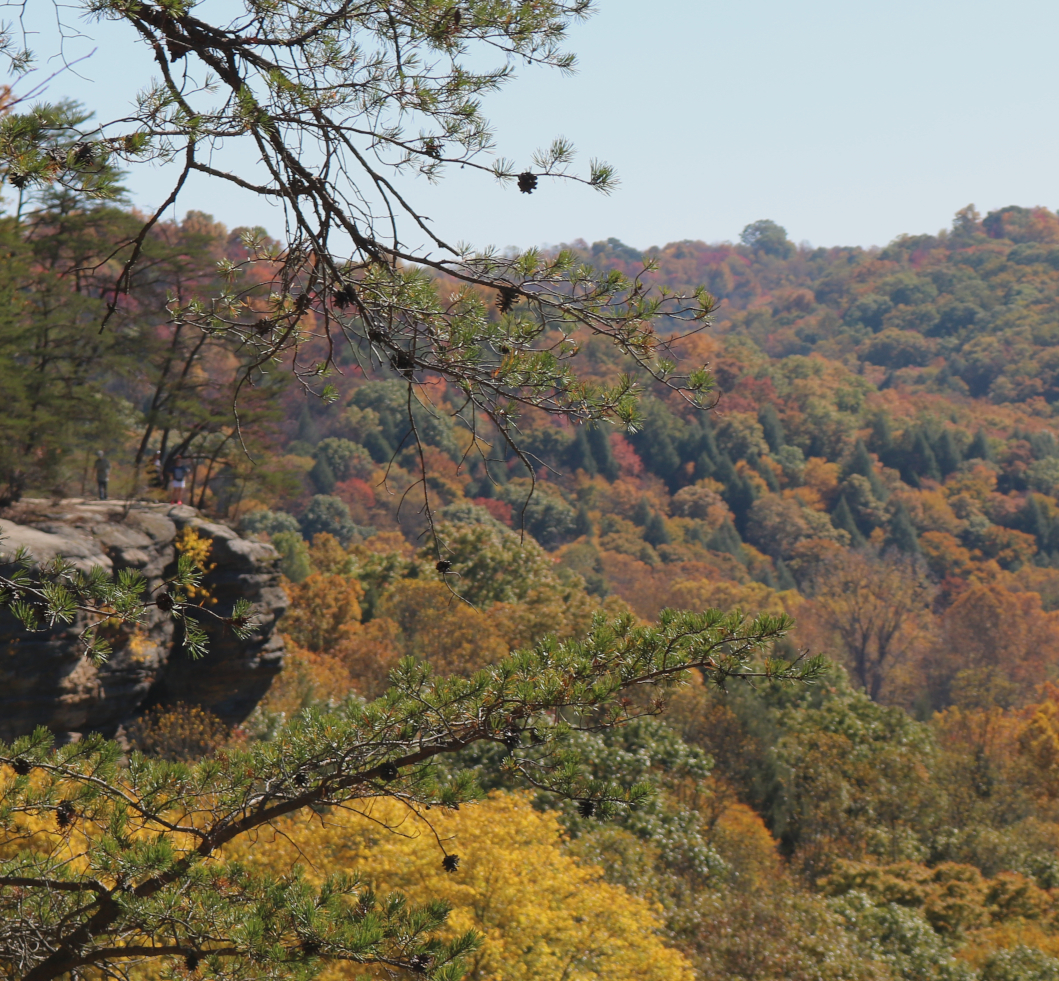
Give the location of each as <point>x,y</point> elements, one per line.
<point>325,611</point>
<point>441,628</point>
<point>997,634</point>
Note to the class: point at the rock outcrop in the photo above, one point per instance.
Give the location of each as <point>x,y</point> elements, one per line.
<point>44,680</point>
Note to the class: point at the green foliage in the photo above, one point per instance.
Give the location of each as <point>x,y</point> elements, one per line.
<point>328,515</point>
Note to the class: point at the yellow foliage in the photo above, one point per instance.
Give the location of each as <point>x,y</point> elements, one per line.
<point>190,543</point>
<point>441,628</point>
<point>327,555</point>
<point>324,612</point>
<point>1038,743</point>
<point>178,732</point>
<point>743,841</point>
<point>982,944</point>
<point>541,914</point>
<point>702,594</point>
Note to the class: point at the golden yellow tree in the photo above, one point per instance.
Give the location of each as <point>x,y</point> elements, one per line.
<point>542,915</point>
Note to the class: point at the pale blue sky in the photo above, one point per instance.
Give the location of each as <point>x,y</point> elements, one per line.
<point>848,123</point>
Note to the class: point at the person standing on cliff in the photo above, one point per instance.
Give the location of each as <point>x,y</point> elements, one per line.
<point>102,474</point>
<point>176,482</point>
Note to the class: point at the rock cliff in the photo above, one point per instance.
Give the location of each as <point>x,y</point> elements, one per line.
<point>45,681</point>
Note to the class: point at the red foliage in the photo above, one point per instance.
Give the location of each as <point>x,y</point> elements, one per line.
<point>355,491</point>
<point>500,510</point>
<point>630,463</point>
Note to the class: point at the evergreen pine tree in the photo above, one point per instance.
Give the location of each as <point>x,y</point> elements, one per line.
<point>947,453</point>
<point>842,519</point>
<point>739,493</point>
<point>979,448</point>
<point>767,473</point>
<point>784,579</point>
<point>726,539</point>
<point>583,523</point>
<point>579,454</point>
<point>920,461</point>
<point>378,446</point>
<point>599,441</point>
<point>1033,521</point>
<point>641,513</point>
<point>882,442</point>
<point>770,423</point>
<point>860,462</point>
<point>704,466</point>
<point>308,431</point>
<point>767,578</point>
<point>655,531</point>
<point>322,475</point>
<point>902,532</point>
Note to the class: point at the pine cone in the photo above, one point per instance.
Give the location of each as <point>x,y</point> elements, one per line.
<point>508,296</point>
<point>403,362</point>
<point>84,153</point>
<point>587,808</point>
<point>177,49</point>
<point>420,963</point>
<point>343,296</point>
<point>527,182</point>
<point>300,780</point>
<point>512,738</point>
<point>21,766</point>
<point>310,947</point>
<point>191,962</point>
<point>19,180</point>
<point>65,814</point>
<point>164,602</point>
<point>450,863</point>
<point>388,771</point>
<point>443,565</point>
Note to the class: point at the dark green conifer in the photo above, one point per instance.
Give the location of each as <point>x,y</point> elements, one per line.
<point>861,461</point>
<point>921,462</point>
<point>842,519</point>
<point>979,448</point>
<point>770,423</point>
<point>322,476</point>
<point>641,513</point>
<point>767,473</point>
<point>704,466</point>
<point>1033,521</point>
<point>579,455</point>
<point>655,531</point>
<point>583,523</point>
<point>882,441</point>
<point>784,579</point>
<point>902,534</point>
<point>308,431</point>
<point>726,539</point>
<point>598,437</point>
<point>947,453</point>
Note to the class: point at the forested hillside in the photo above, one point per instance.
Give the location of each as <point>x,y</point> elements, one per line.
<point>881,464</point>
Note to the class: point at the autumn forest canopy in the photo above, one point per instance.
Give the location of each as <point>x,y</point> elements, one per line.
<point>880,464</point>
<point>682,614</point>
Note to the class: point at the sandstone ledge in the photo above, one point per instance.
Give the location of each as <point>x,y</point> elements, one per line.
<point>45,681</point>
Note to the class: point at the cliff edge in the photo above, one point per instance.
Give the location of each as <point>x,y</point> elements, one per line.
<point>44,680</point>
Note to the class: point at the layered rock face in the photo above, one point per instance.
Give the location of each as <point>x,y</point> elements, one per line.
<point>44,680</point>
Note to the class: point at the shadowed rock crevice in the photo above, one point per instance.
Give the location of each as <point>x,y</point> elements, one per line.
<point>44,680</point>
